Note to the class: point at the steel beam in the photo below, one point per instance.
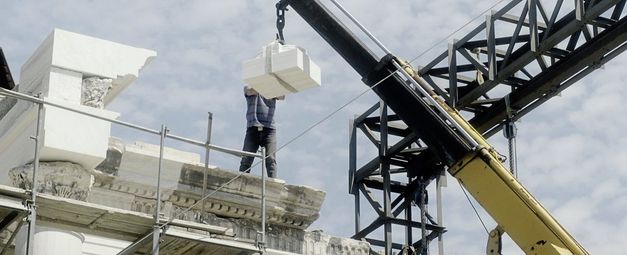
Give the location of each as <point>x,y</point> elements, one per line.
<point>581,58</point>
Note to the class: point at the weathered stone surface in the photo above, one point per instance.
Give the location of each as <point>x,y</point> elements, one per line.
<point>235,206</point>
<point>234,203</point>
<point>111,164</point>
<point>317,242</point>
<point>63,179</point>
<point>238,195</point>
<point>94,91</point>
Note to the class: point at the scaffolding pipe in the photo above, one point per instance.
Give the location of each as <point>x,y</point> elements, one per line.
<point>233,152</point>
<point>32,206</point>
<point>263,197</point>
<point>156,235</point>
<point>204,177</point>
<point>163,134</point>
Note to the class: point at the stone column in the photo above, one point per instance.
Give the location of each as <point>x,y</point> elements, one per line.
<point>50,241</point>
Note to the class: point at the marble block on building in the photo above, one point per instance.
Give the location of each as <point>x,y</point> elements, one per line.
<point>280,70</point>
<point>86,56</point>
<point>140,163</point>
<point>75,71</point>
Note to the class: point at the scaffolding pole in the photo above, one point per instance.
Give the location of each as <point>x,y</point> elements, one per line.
<point>156,235</point>
<point>263,199</point>
<point>204,177</point>
<point>32,207</point>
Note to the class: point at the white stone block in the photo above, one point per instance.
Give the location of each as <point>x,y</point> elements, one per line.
<point>74,137</point>
<point>140,163</point>
<point>280,70</point>
<point>66,86</point>
<point>296,68</point>
<point>86,55</point>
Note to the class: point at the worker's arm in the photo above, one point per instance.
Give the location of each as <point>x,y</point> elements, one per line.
<point>248,91</point>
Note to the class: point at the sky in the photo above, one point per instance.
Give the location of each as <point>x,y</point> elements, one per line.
<point>572,153</point>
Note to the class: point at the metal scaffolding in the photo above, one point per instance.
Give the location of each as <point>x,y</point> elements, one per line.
<point>25,210</point>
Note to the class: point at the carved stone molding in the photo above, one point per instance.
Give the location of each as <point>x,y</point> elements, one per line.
<point>94,91</point>
<point>63,179</point>
<point>287,205</point>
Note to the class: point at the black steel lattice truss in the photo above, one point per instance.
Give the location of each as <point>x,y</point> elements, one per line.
<point>393,160</point>
<point>520,57</point>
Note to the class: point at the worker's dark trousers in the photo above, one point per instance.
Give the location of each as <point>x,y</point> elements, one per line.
<point>255,138</point>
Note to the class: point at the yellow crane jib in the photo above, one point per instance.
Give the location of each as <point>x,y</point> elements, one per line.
<point>516,211</point>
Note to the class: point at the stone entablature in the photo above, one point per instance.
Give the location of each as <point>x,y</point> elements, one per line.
<point>237,196</point>
<point>235,207</point>
<point>288,205</point>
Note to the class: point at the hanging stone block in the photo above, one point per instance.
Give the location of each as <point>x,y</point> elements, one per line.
<point>280,70</point>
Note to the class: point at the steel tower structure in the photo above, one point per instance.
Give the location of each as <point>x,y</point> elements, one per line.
<point>521,56</point>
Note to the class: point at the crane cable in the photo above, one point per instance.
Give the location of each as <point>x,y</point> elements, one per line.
<point>473,207</point>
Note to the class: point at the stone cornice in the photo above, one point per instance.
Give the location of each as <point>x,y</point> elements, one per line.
<point>287,205</point>
<point>238,196</point>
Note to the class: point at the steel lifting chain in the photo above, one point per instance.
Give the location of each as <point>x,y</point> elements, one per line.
<point>509,131</point>
<point>281,7</point>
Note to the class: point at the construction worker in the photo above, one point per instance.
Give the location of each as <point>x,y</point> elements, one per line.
<point>260,130</point>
